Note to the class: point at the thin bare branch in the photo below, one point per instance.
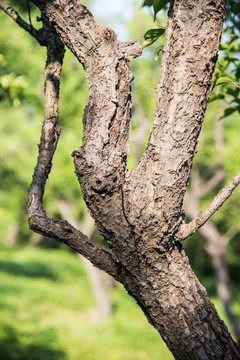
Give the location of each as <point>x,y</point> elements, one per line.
<point>186,230</point>
<point>37,34</point>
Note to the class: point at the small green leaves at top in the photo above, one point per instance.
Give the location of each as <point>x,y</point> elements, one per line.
<point>159,5</point>
<point>228,111</point>
<point>221,80</point>
<point>224,80</point>
<point>157,52</point>
<point>230,48</point>
<point>152,35</point>
<point>148,2</point>
<point>214,97</point>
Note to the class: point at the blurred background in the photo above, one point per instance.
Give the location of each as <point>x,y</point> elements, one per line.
<point>54,304</point>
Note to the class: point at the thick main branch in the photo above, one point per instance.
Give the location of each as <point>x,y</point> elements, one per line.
<point>190,52</point>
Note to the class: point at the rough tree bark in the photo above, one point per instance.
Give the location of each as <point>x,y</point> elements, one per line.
<point>140,212</point>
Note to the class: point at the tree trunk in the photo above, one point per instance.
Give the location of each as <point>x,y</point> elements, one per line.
<point>177,305</point>
<point>140,212</point>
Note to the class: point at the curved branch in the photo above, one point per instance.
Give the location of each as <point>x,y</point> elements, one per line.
<point>64,232</point>
<point>186,230</point>
<point>37,34</point>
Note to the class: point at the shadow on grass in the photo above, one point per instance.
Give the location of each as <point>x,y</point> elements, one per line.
<point>29,269</point>
<point>12,349</point>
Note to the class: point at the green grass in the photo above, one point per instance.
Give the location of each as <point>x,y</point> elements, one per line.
<point>45,301</point>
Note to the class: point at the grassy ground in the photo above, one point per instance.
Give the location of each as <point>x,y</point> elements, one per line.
<point>45,301</point>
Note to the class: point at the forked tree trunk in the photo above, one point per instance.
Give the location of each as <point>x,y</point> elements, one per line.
<point>140,212</point>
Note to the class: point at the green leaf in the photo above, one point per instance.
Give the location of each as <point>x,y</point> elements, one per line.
<point>157,52</point>
<point>214,97</point>
<point>3,61</point>
<point>236,100</point>
<point>152,35</point>
<point>228,111</point>
<point>148,3</point>
<point>233,38</point>
<point>221,80</point>
<point>214,81</point>
<point>235,47</point>
<point>222,64</point>
<point>159,5</point>
<point>232,91</point>
<point>224,80</point>
<point>160,47</point>
<point>231,59</point>
<point>223,47</point>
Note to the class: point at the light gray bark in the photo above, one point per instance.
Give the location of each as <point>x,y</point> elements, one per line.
<point>140,212</point>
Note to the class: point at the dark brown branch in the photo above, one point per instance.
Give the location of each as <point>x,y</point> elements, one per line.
<point>75,239</point>
<point>186,230</point>
<point>38,220</point>
<point>37,34</point>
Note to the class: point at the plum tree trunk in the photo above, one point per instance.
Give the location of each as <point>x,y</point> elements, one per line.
<point>140,213</point>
